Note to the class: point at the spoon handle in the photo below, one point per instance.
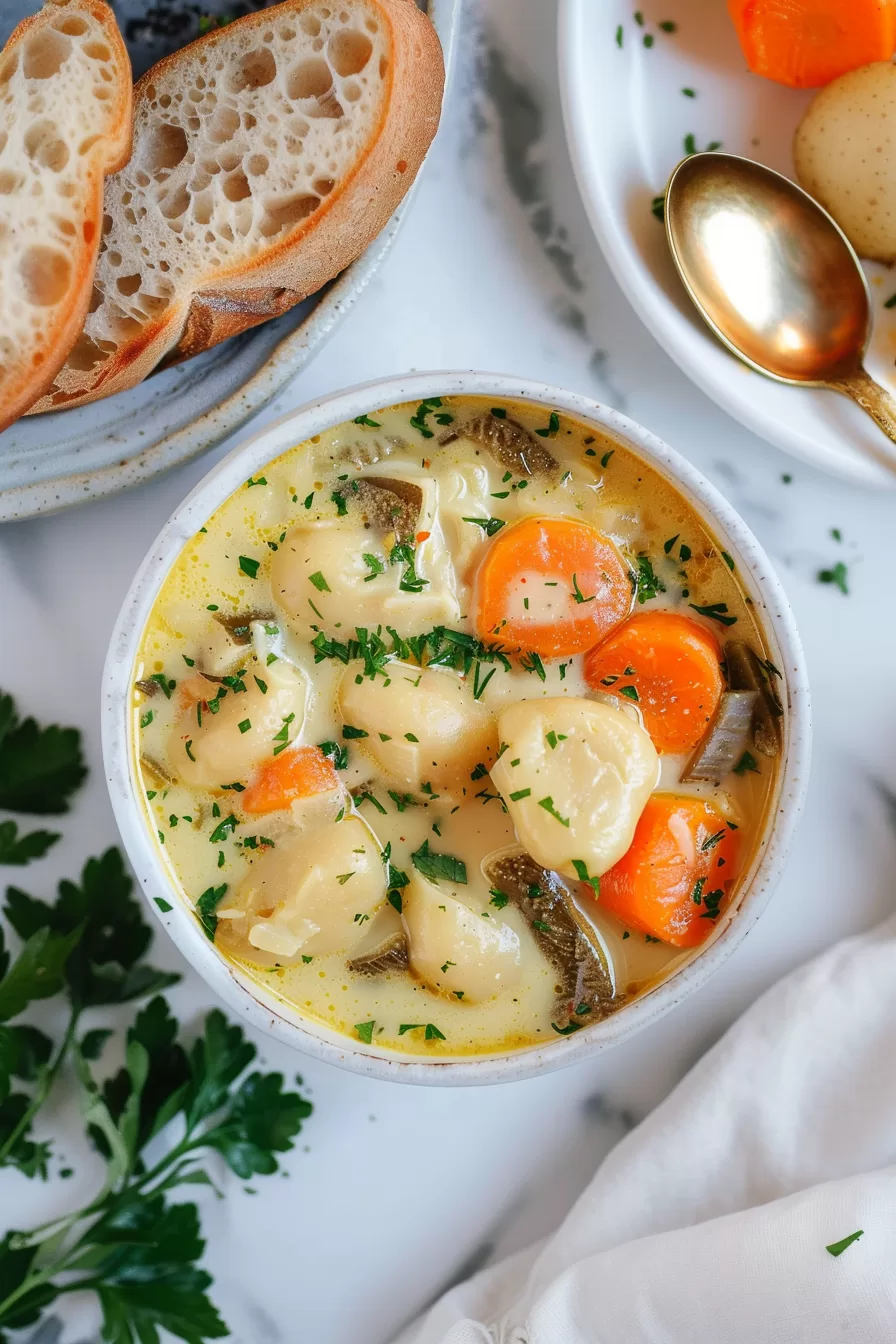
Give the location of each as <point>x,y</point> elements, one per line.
<point>875,401</point>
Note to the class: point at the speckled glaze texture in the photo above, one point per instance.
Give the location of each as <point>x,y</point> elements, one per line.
<point>265,1010</point>
<point>49,462</point>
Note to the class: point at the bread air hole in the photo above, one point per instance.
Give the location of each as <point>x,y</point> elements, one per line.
<point>280,215</point>
<point>257,164</point>
<point>312,79</point>
<point>349,51</point>
<point>73,26</point>
<point>44,147</point>
<point>253,71</point>
<point>10,182</point>
<point>128,284</point>
<point>45,53</point>
<point>163,148</point>
<point>97,51</point>
<point>310,24</point>
<point>224,124</point>
<point>45,275</point>
<point>236,187</point>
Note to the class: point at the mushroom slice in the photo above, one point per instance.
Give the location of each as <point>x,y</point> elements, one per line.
<point>385,503</point>
<point>454,949</point>
<point>747,672</point>
<point>384,948</point>
<point>726,738</point>
<point>511,445</point>
<point>566,939</point>
<point>239,624</point>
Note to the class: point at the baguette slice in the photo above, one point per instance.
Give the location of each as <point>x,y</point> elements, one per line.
<point>65,121</point>
<point>267,155</point>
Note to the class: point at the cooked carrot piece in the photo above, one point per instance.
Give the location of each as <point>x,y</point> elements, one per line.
<point>551,586</point>
<point>195,688</point>
<point>669,666</point>
<point>675,878</point>
<point>297,773</point>
<point>806,43</point>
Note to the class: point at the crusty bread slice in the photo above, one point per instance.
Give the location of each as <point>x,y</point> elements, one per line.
<point>65,121</point>
<point>267,155</point>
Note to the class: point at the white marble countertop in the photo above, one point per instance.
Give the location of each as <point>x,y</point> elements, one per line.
<point>394,1190</point>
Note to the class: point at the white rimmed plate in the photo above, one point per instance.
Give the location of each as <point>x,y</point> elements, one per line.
<point>628,122</point>
<point>48,462</point>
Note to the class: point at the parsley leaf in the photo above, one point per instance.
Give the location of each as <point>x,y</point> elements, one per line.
<point>20,849</point>
<point>39,767</point>
<point>436,866</point>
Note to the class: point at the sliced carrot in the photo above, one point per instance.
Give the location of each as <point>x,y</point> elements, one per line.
<point>193,689</point>
<point>806,43</point>
<point>675,879</point>
<point>551,586</point>
<point>669,666</point>
<point>297,773</point>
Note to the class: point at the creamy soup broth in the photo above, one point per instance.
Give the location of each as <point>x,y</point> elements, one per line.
<point>401,833</point>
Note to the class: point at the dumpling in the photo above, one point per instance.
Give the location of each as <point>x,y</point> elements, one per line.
<point>208,749</point>
<point>454,949</point>
<point>309,896</point>
<point>345,571</point>
<point>422,727</point>
<point>575,776</point>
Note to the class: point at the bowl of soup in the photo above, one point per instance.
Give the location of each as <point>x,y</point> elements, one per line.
<point>456,728</point>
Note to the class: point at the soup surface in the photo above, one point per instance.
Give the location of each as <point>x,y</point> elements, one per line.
<point>455,727</point>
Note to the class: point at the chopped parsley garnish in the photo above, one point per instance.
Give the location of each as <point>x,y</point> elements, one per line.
<point>319,582</point>
<point>223,829</point>
<point>553,426</point>
<point>409,1026</point>
<point>747,763</point>
<point>282,737</point>
<point>259,480</point>
<point>410,581</point>
<point>349,731</point>
<point>668,26</point>
<point>411,737</point>
<point>711,841</point>
<point>697,893</point>
<point>489,525</point>
<point>647,583</point>
<point>568,1030</point>
<point>631,692</point>
<point>838,1247</point>
<point>368,797</point>
<point>712,900</point>
<point>532,663</point>
<point>207,904</point>
<point>838,576</point>
<point>667,545</point>
<point>431,1033</point>
<point>366,420</point>
<point>606,458</point>
<point>187,745</point>
<point>582,874</point>
<point>619,35</point>
<point>548,805</point>
<point>249,567</point>
<point>365,1031</point>
<point>498,898</point>
<point>244,725</point>
<point>335,753</point>
<point>165,684</point>
<point>552,739</point>
<point>577,592</point>
<point>479,682</point>
<point>689,93</point>
<point>338,499</point>
<point>520,795</point>
<point>146,719</point>
<point>306,502</point>
<point>716,611</point>
<point>728,560</point>
<point>439,866</point>
<point>375,566</point>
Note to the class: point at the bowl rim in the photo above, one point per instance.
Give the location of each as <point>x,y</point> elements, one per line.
<point>275,1017</point>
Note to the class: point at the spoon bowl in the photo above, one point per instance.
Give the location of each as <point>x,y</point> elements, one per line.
<point>775,278</point>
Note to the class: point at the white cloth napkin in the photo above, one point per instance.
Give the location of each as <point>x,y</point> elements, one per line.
<point>709,1223</point>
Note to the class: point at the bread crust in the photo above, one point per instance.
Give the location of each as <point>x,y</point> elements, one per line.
<point>291,268</point>
<point>23,385</point>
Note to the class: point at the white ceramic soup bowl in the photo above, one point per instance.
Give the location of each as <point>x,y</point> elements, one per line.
<point>264,1009</point>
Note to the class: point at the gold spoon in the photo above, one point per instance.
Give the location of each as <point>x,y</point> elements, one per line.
<point>775,278</point>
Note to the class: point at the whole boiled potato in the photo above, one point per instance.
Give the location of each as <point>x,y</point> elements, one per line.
<point>844,151</point>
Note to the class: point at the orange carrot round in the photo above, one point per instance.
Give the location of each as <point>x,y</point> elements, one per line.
<point>669,666</point>
<point>297,773</point>
<point>551,586</point>
<point>675,879</point>
<point>807,43</point>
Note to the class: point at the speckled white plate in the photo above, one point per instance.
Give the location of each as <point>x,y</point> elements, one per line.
<point>48,462</point>
<point>628,120</point>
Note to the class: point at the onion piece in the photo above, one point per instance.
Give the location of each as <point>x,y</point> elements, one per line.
<point>727,738</point>
<point>746,672</point>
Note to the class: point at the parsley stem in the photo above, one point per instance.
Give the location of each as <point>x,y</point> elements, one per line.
<point>47,1080</point>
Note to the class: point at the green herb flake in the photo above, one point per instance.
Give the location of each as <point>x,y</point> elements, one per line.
<point>439,866</point>
<point>365,1031</point>
<point>548,805</point>
<point>349,732</point>
<point>716,611</point>
<point>366,420</point>
<point>747,763</point>
<point>431,1033</point>
<point>838,576</point>
<point>520,795</point>
<point>319,582</point>
<point>838,1247</point>
<point>582,874</point>
<point>249,567</point>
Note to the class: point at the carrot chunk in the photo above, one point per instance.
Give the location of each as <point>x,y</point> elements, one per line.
<point>806,43</point>
<point>297,773</point>
<point>551,586</point>
<point>669,666</point>
<point>674,880</point>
